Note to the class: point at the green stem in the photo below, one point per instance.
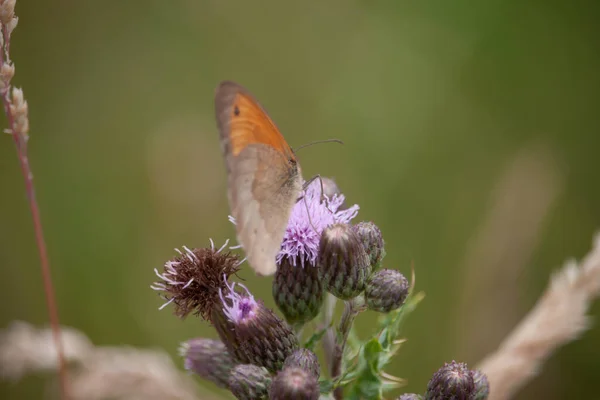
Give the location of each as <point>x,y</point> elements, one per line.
<point>329,338</point>
<point>351,309</point>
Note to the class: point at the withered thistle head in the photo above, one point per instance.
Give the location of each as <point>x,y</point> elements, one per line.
<point>343,262</point>
<point>193,279</point>
<point>249,382</point>
<point>482,385</point>
<point>372,240</point>
<point>209,359</point>
<point>305,360</point>
<point>386,290</point>
<point>298,291</point>
<point>452,381</point>
<point>259,336</point>
<point>294,383</point>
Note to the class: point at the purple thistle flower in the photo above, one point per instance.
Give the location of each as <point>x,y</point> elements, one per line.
<point>302,235</point>
<point>253,333</point>
<point>239,307</point>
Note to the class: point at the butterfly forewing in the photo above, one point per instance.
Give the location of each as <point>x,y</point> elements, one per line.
<point>263,175</point>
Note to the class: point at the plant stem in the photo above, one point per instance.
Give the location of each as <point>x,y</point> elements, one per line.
<point>351,309</point>
<point>21,145</point>
<point>329,338</point>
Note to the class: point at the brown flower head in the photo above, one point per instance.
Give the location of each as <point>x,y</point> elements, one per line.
<point>192,280</point>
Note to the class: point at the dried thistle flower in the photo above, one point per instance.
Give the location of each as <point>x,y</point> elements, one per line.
<point>372,240</point>
<point>452,381</point>
<point>305,360</point>
<point>343,262</point>
<point>192,280</point>
<point>249,382</point>
<point>294,383</point>
<point>298,292</point>
<point>386,290</point>
<point>209,359</point>
<point>260,336</point>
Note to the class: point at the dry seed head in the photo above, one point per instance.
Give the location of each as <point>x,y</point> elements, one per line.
<point>7,12</point>
<point>19,111</point>
<point>7,71</point>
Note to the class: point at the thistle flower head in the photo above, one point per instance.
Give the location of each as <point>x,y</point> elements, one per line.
<point>482,385</point>
<point>255,335</point>
<point>305,360</point>
<point>209,359</point>
<point>343,263</point>
<point>452,381</point>
<point>300,244</point>
<point>298,292</point>
<point>294,383</point>
<point>386,290</point>
<point>238,307</point>
<point>249,382</point>
<point>372,240</point>
<point>193,280</point>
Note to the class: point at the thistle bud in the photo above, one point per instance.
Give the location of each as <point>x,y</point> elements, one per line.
<point>249,382</point>
<point>298,291</point>
<point>304,359</point>
<point>386,290</point>
<point>410,396</point>
<point>343,262</point>
<point>452,381</point>
<point>372,240</point>
<point>209,359</point>
<point>259,336</point>
<point>482,385</point>
<point>294,384</point>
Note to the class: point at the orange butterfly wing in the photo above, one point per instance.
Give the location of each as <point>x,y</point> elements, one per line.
<point>264,178</point>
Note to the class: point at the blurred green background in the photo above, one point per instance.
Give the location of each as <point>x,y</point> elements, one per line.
<point>471,134</point>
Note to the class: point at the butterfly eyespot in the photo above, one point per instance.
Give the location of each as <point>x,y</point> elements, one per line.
<point>236,111</point>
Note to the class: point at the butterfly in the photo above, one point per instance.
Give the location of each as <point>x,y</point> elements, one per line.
<point>264,179</point>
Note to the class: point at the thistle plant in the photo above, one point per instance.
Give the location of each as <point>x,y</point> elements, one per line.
<point>324,259</point>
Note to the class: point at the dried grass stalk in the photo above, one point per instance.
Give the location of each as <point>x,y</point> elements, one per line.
<point>95,373</point>
<point>558,317</point>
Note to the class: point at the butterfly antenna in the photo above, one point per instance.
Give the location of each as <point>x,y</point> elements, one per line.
<point>308,213</point>
<point>318,142</point>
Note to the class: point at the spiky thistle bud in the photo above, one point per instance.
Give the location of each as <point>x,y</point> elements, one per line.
<point>249,382</point>
<point>294,383</point>
<point>305,360</point>
<point>482,385</point>
<point>372,240</point>
<point>386,290</point>
<point>452,381</point>
<point>209,359</point>
<point>298,291</point>
<point>259,336</point>
<point>193,279</point>
<point>343,262</point>
<point>410,396</point>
